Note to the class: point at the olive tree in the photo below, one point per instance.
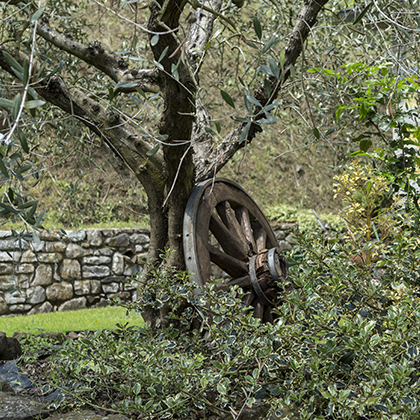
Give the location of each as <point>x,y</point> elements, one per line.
<point>185,151</point>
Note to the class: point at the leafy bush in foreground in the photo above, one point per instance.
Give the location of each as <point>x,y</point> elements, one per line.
<point>345,345</point>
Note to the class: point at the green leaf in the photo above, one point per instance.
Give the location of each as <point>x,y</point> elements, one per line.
<point>5,103</point>
<point>228,99</point>
<point>37,14</point>
<point>22,140</point>
<point>269,44</point>
<point>267,87</point>
<point>254,101</point>
<point>153,150</point>
<point>365,145</point>
<point>257,26</point>
<point>218,126</point>
<point>34,104</point>
<point>274,68</point>
<point>12,62</point>
<point>25,72</point>
<point>154,40</point>
<point>244,133</point>
<point>267,70</point>
<point>3,169</point>
<point>362,14</point>
<point>16,105</point>
<point>210,131</point>
<point>282,57</point>
<point>164,52</point>
<point>316,132</point>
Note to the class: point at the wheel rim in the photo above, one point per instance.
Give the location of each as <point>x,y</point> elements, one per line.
<point>225,229</point>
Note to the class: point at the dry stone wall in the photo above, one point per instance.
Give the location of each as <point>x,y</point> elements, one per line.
<point>77,269</point>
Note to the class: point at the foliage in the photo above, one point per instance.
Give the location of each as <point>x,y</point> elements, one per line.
<point>365,195</point>
<point>306,219</point>
<point>345,345</point>
<point>380,105</point>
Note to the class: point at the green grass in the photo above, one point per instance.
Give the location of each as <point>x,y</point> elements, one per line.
<point>85,319</point>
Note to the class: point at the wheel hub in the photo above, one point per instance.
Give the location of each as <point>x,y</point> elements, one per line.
<point>266,270</point>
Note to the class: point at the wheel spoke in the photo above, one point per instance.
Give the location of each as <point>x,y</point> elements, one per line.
<point>259,310</point>
<point>232,266</point>
<point>249,298</point>
<point>226,240</point>
<point>243,216</point>
<point>242,282</point>
<point>260,238</point>
<point>228,216</point>
<point>268,316</point>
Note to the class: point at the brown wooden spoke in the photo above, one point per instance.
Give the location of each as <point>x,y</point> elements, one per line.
<point>231,265</point>
<point>243,217</point>
<point>228,239</point>
<point>220,211</point>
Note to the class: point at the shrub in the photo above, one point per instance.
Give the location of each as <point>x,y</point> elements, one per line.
<point>345,345</point>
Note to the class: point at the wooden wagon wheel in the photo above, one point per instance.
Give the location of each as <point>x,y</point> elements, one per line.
<point>225,228</point>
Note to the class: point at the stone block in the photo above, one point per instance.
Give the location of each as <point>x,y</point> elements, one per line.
<point>43,275</point>
<point>70,269</point>
<point>139,238</point>
<point>35,295</point>
<point>117,279</point>
<point>280,235</point>
<point>138,249</point>
<point>10,256</point>
<point>14,297</point>
<point>117,264</point>
<point>284,246</point>
<point>21,308</point>
<point>96,260</point>
<point>132,270</point>
<point>95,287</point>
<point>50,258</point>
<point>106,251</point>
<point>50,236</point>
<point>73,304</point>
<point>59,292</point>
<point>74,251</point>
<point>12,281</point>
<point>13,244</point>
<point>76,235</point>
<point>120,241</point>
<point>3,305</point>
<point>111,288</point>
<point>123,296</point>
<point>95,271</point>
<point>24,268</point>
<point>28,257</point>
<point>94,237</point>
<point>93,299</point>
<point>82,287</point>
<point>44,308</point>
<point>55,247</point>
<point>6,268</point>
<point>37,246</point>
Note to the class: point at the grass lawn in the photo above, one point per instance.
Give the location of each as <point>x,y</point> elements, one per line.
<point>85,319</point>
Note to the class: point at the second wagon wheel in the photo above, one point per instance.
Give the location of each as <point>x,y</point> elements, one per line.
<point>224,229</point>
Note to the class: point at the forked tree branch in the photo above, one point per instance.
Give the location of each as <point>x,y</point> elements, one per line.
<point>221,154</point>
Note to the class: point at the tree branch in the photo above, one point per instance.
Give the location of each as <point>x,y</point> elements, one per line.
<point>145,79</point>
<point>93,53</point>
<point>220,155</point>
<point>123,139</point>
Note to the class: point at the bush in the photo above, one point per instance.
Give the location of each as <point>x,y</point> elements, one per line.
<point>345,345</point>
